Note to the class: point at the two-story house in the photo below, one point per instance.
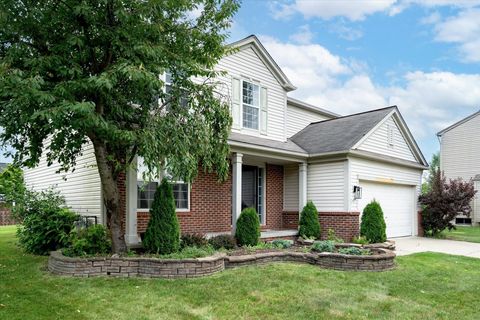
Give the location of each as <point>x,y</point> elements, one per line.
<point>284,152</point>
<point>460,158</point>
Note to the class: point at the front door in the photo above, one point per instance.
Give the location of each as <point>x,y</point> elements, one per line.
<point>252,189</point>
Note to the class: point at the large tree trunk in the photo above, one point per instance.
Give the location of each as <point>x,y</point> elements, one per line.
<point>111,197</point>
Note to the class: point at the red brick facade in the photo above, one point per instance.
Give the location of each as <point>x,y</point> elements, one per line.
<point>5,216</point>
<point>345,224</point>
<point>274,197</point>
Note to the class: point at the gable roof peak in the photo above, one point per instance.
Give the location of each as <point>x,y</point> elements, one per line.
<point>456,124</point>
<point>253,42</point>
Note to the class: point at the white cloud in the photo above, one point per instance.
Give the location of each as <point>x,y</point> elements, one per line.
<point>429,101</point>
<point>432,18</point>
<point>464,30</point>
<point>303,36</point>
<point>345,32</point>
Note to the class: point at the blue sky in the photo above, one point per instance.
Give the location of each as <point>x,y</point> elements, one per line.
<point>351,56</point>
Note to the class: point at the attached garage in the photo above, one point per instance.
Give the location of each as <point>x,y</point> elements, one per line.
<point>398,204</point>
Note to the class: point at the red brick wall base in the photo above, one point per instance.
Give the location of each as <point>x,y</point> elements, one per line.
<point>345,224</point>
<point>6,217</point>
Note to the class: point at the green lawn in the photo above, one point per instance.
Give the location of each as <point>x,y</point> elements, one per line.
<point>424,286</point>
<point>470,234</point>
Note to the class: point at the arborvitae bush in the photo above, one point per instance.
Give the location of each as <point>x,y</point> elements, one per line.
<point>163,231</point>
<point>373,225</point>
<point>248,228</point>
<point>309,224</point>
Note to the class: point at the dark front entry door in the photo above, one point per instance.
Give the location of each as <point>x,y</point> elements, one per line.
<point>249,187</point>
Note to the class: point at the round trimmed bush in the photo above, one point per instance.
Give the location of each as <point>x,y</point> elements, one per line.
<point>163,231</point>
<point>248,228</point>
<point>309,224</point>
<point>373,225</point>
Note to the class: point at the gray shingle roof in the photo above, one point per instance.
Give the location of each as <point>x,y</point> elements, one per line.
<point>269,143</point>
<point>339,134</point>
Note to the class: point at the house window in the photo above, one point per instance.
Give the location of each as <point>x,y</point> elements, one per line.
<point>250,105</point>
<point>146,191</point>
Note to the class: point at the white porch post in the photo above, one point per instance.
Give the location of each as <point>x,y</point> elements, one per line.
<point>131,235</point>
<point>302,186</point>
<point>236,188</point>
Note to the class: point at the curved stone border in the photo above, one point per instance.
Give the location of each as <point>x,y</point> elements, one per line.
<point>135,266</point>
<point>381,260</point>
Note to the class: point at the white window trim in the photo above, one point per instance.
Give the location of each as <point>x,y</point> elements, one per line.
<point>262,165</point>
<point>249,105</point>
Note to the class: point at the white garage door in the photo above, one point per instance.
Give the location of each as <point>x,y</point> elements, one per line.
<point>397,202</point>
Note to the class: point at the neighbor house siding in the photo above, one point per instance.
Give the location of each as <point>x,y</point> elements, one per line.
<point>81,188</point>
<point>460,150</point>
<point>245,64</point>
<point>290,188</point>
<point>378,142</point>
<point>326,185</point>
<point>460,155</point>
<point>299,118</point>
<point>376,171</point>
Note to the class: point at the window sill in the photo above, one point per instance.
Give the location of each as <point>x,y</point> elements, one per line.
<point>177,211</point>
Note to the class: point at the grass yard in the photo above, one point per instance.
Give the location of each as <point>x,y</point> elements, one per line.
<point>424,286</point>
<point>470,234</point>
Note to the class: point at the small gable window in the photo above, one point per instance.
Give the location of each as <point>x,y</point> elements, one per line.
<point>250,105</point>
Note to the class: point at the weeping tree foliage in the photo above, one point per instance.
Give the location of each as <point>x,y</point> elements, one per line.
<point>78,71</point>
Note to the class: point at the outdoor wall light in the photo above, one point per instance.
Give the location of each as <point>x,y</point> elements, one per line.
<point>357,192</point>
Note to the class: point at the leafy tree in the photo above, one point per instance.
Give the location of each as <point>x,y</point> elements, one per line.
<point>373,226</point>
<point>248,228</point>
<point>163,231</point>
<point>309,224</point>
<point>434,167</point>
<point>12,185</point>
<point>444,202</point>
<point>89,71</point>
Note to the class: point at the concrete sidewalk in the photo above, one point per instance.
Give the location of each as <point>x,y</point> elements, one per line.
<point>409,245</point>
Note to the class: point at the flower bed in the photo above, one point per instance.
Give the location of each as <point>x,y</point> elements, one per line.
<point>379,260</point>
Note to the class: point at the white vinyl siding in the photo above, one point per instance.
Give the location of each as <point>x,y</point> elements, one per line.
<point>246,65</point>
<point>81,188</point>
<point>388,140</point>
<point>290,187</point>
<point>298,118</point>
<point>476,204</point>
<point>326,185</point>
<point>460,154</point>
<point>375,171</point>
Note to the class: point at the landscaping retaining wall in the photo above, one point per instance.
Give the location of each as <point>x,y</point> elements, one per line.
<point>135,267</point>
<point>380,260</point>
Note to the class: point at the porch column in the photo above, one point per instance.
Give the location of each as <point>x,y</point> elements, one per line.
<point>236,188</point>
<point>302,186</point>
<point>131,235</point>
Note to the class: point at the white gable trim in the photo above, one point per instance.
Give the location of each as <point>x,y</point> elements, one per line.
<point>407,135</point>
<point>257,47</point>
<point>459,123</point>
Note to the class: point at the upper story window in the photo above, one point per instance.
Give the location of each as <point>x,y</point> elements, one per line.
<point>250,105</point>
<point>146,191</point>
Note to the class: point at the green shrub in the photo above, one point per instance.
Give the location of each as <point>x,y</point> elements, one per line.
<point>360,240</point>
<point>323,246</point>
<point>282,244</point>
<point>373,225</point>
<point>354,251</point>
<point>163,231</point>
<point>225,241</point>
<point>92,240</point>
<point>248,228</point>
<point>188,253</point>
<point>309,224</point>
<point>333,237</point>
<point>193,240</point>
<point>46,223</point>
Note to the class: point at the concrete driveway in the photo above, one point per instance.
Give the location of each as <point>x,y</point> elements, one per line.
<point>409,245</point>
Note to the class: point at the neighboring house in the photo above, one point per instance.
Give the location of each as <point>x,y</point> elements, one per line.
<point>283,153</point>
<point>5,213</point>
<point>460,158</point>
